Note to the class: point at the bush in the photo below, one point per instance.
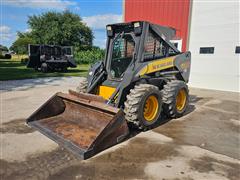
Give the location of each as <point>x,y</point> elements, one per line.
<point>89,56</point>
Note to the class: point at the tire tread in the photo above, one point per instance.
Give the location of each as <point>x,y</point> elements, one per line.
<point>169,97</point>
<point>133,101</point>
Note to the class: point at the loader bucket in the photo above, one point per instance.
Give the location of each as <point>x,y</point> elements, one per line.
<point>82,123</point>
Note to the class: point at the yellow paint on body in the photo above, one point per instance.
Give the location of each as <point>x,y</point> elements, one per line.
<point>158,65</point>
<point>106,91</point>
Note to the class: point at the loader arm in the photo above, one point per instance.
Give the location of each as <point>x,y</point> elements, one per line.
<point>96,75</point>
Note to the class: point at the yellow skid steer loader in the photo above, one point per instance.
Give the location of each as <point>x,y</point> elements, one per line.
<point>142,76</point>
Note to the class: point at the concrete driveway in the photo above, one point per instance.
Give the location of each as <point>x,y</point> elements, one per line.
<point>204,144</point>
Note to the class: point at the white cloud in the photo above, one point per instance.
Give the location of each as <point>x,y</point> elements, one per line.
<point>4,29</point>
<point>100,42</point>
<point>28,30</point>
<point>5,33</point>
<point>44,4</point>
<point>100,21</point>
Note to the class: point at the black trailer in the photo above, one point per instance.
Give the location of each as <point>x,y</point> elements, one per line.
<point>50,57</point>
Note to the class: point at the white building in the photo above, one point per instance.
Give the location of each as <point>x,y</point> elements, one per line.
<point>215,27</point>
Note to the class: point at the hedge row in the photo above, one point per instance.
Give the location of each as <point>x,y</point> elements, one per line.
<point>89,56</point>
<point>81,56</point>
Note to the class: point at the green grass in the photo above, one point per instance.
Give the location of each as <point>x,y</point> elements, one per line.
<point>18,57</point>
<point>13,70</point>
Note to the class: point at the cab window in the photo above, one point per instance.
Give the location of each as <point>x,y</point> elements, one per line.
<point>154,47</point>
<point>122,54</point>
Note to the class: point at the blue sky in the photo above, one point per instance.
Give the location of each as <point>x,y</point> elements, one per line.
<point>96,13</point>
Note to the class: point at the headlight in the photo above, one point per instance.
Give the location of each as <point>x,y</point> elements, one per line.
<point>109,31</point>
<point>90,73</point>
<point>137,28</point>
<point>136,24</point>
<point>109,28</point>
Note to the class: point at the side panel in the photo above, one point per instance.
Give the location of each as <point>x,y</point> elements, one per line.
<point>106,91</point>
<point>182,62</point>
<point>157,65</point>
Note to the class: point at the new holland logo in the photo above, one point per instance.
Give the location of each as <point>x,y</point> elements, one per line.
<point>159,66</point>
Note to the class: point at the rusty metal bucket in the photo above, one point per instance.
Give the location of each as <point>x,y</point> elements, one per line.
<point>82,123</point>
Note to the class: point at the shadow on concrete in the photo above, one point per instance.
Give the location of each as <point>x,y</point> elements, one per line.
<point>193,99</point>
<point>26,84</point>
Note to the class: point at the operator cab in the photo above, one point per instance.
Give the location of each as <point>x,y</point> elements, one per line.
<point>122,46</point>
<point>130,47</point>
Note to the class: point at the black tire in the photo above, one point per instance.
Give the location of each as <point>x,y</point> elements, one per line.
<point>8,56</point>
<point>44,67</point>
<point>135,104</point>
<point>82,87</point>
<point>170,93</point>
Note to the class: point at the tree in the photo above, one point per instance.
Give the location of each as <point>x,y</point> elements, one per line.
<point>3,48</point>
<point>20,46</point>
<point>60,28</point>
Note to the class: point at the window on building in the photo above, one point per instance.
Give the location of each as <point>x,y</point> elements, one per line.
<point>176,45</point>
<point>206,50</point>
<point>154,47</point>
<point>237,50</point>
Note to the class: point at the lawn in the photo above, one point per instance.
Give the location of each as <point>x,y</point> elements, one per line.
<point>13,69</point>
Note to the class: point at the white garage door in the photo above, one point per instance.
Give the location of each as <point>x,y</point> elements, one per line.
<point>214,43</point>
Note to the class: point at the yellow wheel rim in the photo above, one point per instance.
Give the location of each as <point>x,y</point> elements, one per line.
<point>181,100</point>
<point>150,108</point>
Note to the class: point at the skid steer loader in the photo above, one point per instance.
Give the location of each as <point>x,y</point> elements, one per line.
<point>143,76</point>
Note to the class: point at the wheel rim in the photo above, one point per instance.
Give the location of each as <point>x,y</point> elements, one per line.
<point>150,108</point>
<point>181,100</point>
